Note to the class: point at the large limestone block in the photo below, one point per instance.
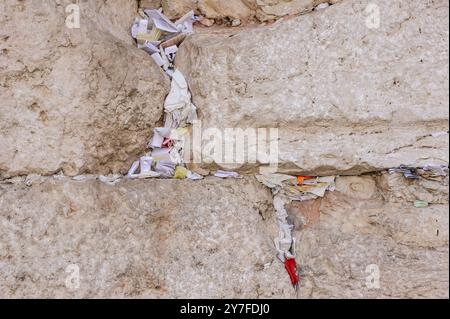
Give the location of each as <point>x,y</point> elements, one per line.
<point>345,97</point>
<point>178,239</point>
<point>80,100</point>
<point>139,239</point>
<point>360,236</point>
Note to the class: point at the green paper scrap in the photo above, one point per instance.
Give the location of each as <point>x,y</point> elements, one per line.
<point>420,204</point>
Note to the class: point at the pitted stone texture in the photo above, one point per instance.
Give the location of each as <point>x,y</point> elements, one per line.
<point>398,189</point>
<point>359,228</point>
<point>150,4</point>
<point>240,9</point>
<point>222,9</point>
<point>272,9</point>
<point>80,100</point>
<point>172,239</point>
<point>140,239</point>
<point>346,98</point>
<point>176,9</point>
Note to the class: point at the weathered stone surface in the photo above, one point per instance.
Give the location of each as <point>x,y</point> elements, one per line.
<point>269,9</point>
<point>80,100</point>
<point>158,239</point>
<point>346,98</point>
<point>398,189</point>
<point>213,238</point>
<point>358,228</point>
<point>239,9</point>
<point>176,9</point>
<point>221,9</point>
<point>150,4</point>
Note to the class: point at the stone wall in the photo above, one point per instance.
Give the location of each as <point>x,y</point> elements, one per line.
<point>261,10</point>
<point>346,98</point>
<point>147,239</point>
<point>214,239</point>
<point>77,100</point>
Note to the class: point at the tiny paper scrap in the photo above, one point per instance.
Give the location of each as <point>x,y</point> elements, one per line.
<point>226,174</point>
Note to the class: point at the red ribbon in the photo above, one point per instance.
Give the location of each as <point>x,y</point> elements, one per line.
<point>291,268</point>
<point>167,143</point>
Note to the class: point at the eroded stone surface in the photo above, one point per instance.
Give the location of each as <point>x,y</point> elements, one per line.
<point>358,228</point>
<point>214,238</point>
<point>80,100</point>
<point>263,10</point>
<point>157,239</point>
<point>150,4</point>
<point>346,98</point>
